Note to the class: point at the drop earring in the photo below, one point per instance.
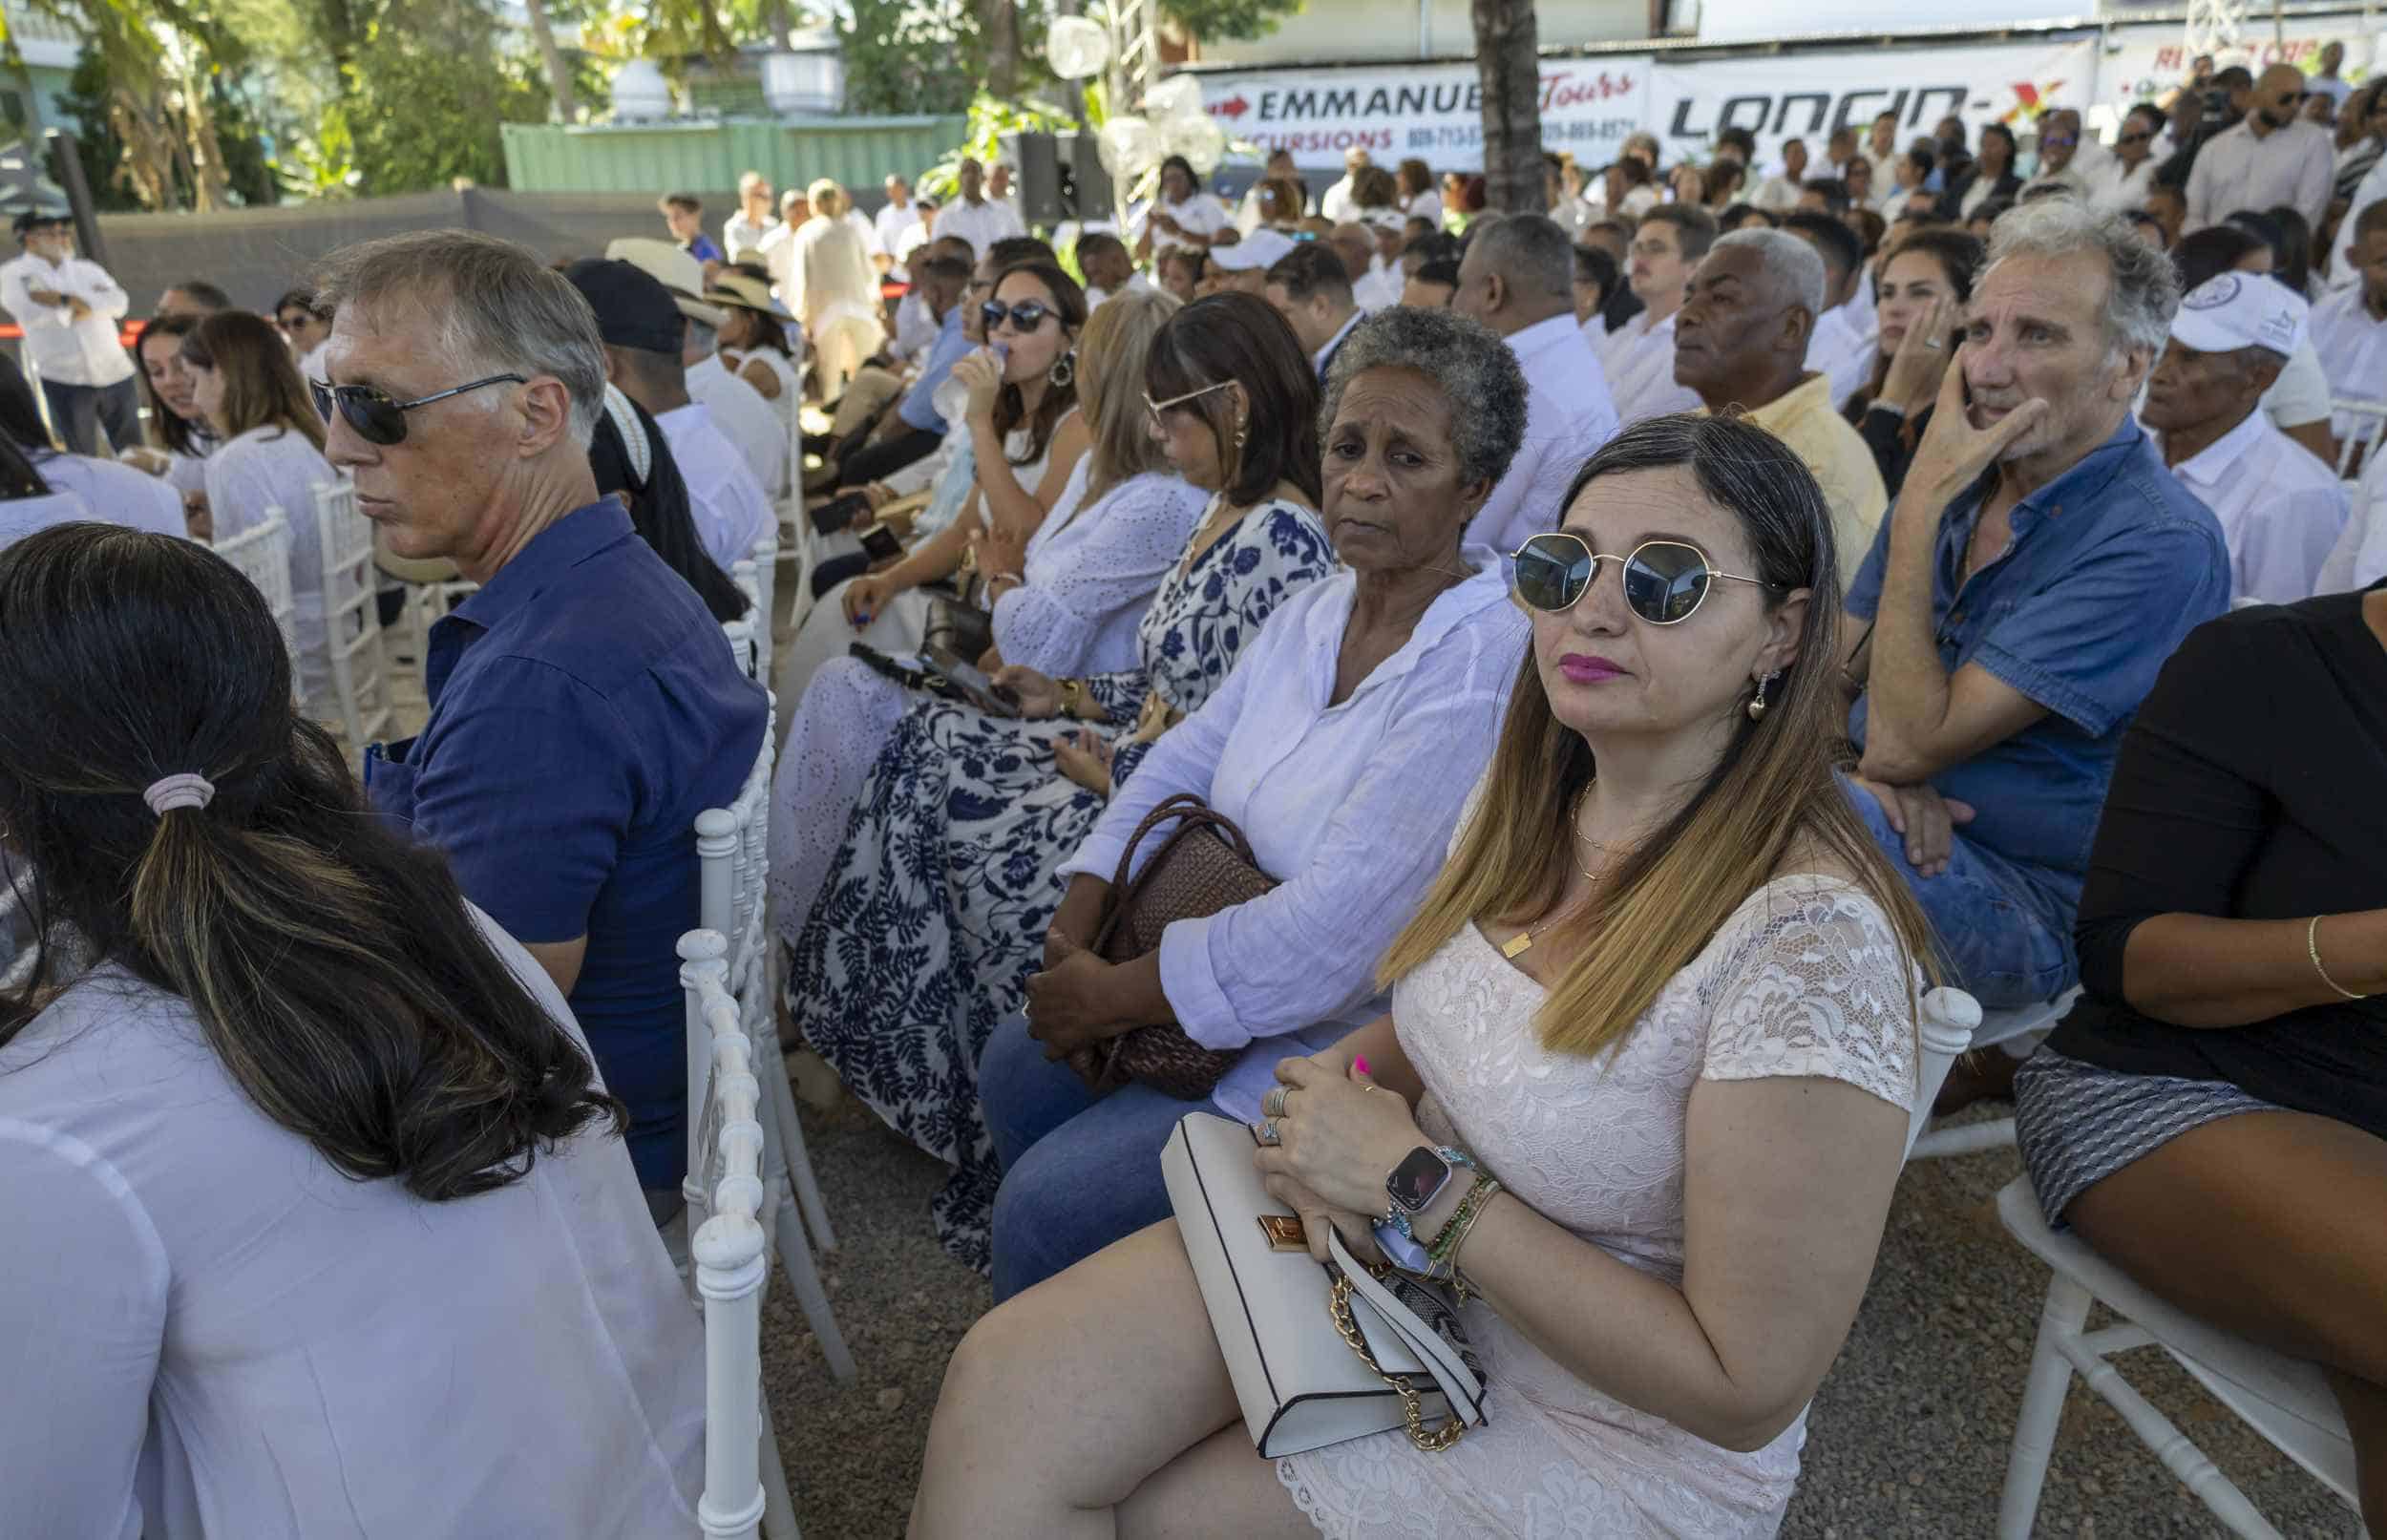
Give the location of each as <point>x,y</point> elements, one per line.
<point>1757,702</point>
<point>1064,371</point>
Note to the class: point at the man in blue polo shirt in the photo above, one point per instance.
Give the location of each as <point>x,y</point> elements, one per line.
<point>2038,567</point>
<point>584,706</point>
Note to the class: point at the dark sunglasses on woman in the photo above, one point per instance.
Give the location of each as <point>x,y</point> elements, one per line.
<point>1025,316</point>
<point>1664,580</point>
<point>380,417</point>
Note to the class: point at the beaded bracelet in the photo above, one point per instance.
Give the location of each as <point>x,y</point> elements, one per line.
<point>1445,1245</point>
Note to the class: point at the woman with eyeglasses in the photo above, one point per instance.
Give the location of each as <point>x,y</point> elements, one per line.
<point>1341,746</point>
<point>1125,619</point>
<point>269,455</point>
<point>1654,1026</point>
<point>301,324</point>
<point>2126,177</point>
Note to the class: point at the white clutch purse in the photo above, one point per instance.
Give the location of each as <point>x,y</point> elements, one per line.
<point>1293,1332</point>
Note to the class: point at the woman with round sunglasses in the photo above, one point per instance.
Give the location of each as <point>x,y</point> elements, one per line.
<point>956,838</point>
<point>269,455</point>
<point>1652,1029</point>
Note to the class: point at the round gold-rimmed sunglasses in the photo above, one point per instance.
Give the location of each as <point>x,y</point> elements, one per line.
<point>1156,408</point>
<point>1664,580</point>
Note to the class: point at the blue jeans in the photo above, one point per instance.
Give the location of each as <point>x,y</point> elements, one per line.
<point>2000,934</point>
<point>1079,1172</point>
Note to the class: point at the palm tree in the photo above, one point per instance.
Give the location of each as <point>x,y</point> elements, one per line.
<point>1508,62</point>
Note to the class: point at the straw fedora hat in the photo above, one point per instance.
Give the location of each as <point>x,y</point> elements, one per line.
<point>674,269</point>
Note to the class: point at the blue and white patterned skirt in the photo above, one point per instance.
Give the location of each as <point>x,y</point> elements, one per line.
<point>2078,1123</point>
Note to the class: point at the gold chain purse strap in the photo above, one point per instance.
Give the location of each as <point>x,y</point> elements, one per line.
<point>1412,1406</point>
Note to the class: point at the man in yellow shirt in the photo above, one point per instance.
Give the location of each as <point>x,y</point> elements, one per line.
<point>1740,341</point>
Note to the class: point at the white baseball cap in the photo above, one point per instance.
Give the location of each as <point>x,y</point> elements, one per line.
<point>1261,249</point>
<point>2235,310</point>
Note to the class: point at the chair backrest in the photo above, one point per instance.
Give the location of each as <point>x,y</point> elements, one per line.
<point>360,674</point>
<point>732,866</point>
<point>766,560</point>
<point>741,635</point>
<point>2369,421</point>
<point>1950,1018</point>
<point>261,554</point>
<point>729,1249</point>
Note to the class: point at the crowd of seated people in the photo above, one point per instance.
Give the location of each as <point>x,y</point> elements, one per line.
<point>1926,485</point>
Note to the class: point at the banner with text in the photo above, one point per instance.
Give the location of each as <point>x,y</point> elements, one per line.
<point>2144,61</point>
<point>1433,112</point>
<point>1806,96</point>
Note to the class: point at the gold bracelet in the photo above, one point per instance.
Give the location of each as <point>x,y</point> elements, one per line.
<point>1073,696</point>
<point>2312,949</point>
<point>1460,1289</point>
<point>1445,1246</point>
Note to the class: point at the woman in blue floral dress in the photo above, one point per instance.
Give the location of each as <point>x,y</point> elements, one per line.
<point>935,910</point>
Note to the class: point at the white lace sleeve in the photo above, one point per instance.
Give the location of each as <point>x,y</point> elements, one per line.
<point>1816,985</point>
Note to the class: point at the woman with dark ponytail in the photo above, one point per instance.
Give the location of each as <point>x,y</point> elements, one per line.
<point>310,1188</point>
<point>632,460</point>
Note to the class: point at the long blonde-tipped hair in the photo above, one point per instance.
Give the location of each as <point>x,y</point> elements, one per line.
<point>1111,355</point>
<point>1772,789</point>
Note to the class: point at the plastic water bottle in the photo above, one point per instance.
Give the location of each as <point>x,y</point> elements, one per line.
<point>952,400</point>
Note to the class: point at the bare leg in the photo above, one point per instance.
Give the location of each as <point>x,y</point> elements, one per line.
<point>1065,1400</point>
<point>2272,1225</point>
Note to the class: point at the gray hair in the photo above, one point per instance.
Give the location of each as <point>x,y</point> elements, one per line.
<point>2144,293</point>
<point>1474,368</point>
<point>1791,264</point>
<point>496,308</point>
<point>1531,251</point>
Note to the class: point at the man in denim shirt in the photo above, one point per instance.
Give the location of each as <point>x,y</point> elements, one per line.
<point>2038,567</point>
<point>584,706</point>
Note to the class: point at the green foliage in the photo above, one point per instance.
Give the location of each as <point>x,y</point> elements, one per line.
<point>425,95</point>
<point>902,56</point>
<point>990,120</point>
<point>96,138</point>
<point>1220,20</point>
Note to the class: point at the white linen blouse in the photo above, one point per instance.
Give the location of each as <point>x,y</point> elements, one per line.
<point>209,1331</point>
<point>249,476</point>
<point>1349,804</point>
<point>116,493</point>
<point>1090,571</point>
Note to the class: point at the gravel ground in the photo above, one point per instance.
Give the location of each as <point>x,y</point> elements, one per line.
<point>1908,1437</point>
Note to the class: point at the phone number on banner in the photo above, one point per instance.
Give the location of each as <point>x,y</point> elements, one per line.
<point>1575,130</point>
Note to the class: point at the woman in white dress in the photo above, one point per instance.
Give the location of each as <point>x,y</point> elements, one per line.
<point>319,1220</point>
<point>1186,218</point>
<point>180,440</point>
<point>269,454</point>
<point>1665,991</point>
<point>754,339</point>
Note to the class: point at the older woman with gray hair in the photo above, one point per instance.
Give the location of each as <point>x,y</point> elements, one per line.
<point>1341,746</point>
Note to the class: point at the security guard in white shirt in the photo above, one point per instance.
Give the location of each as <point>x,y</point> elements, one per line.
<point>68,309</point>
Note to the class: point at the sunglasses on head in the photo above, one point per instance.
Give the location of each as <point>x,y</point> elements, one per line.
<point>380,417</point>
<point>1025,316</point>
<point>1665,581</point>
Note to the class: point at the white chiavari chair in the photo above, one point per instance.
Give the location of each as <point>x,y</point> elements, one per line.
<point>360,673</point>
<point>261,554</point>
<point>2369,422</point>
<point>1994,1029</point>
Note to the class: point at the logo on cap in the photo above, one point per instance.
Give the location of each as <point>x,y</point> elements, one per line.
<point>2212,294</point>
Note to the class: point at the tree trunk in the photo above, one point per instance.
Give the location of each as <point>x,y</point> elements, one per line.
<point>561,106</point>
<point>1508,62</point>
<point>999,29</point>
<point>780,25</point>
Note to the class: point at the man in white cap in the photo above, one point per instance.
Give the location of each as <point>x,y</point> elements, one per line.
<point>2280,507</point>
<point>758,429</point>
<point>1242,268</point>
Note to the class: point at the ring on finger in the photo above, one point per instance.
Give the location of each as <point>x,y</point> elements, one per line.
<point>1268,1134</point>
<point>1273,1104</point>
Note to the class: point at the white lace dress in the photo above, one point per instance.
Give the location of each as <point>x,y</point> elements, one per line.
<point>1803,979</point>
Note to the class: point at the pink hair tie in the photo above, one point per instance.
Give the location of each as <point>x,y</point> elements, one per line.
<point>186,789</point>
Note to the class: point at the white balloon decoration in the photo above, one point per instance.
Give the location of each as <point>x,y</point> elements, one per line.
<point>1201,142</point>
<point>1179,97</point>
<point>1077,47</point>
<point>1130,147</point>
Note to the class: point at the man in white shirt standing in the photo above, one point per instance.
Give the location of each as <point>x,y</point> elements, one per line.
<point>2326,82</point>
<point>1638,359</point>
<point>2281,510</point>
<point>973,215</point>
<point>1519,279</point>
<point>2271,156</point>
<point>744,232</point>
<point>2350,327</point>
<point>756,428</point>
<point>69,308</point>
<point>1338,203</point>
<point>898,214</point>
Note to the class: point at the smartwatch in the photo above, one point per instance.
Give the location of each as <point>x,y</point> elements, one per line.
<point>1418,1180</point>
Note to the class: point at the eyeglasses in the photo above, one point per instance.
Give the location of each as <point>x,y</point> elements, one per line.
<point>2137,138</point>
<point>379,417</point>
<point>2059,141</point>
<point>1025,316</point>
<point>1665,581</point>
<point>1156,408</point>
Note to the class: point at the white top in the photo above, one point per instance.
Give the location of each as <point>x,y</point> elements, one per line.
<point>1841,353</point>
<point>731,511</point>
<point>755,426</point>
<point>1334,805</point>
<point>115,492</point>
<point>2281,510</point>
<point>888,228</point>
<point>2366,192</point>
<point>1091,571</point>
<point>1776,192</point>
<point>982,224</point>
<point>2360,558</point>
<point>1336,202</point>
<point>1379,290</point>
<point>2120,187</point>
<point>1568,415</point>
<point>1095,297</point>
<point>1802,978</point>
<point>2301,392</point>
<point>915,326</point>
<point>2296,165</point>
<point>2352,346</point>
<point>739,234</point>
<point>1199,215</point>
<point>1572,215</point>
<point>1426,206</point>
<point>57,347</point>
<point>1640,367</point>
<point>214,1333</point>
<point>255,472</point>
<point>20,516</point>
<point>791,383</point>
